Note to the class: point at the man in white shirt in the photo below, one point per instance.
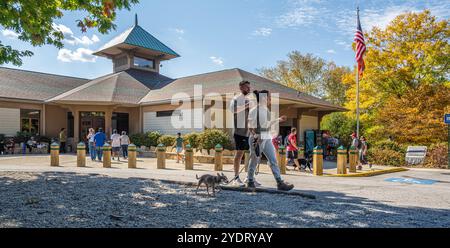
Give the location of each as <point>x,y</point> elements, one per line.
<point>124,142</point>
<point>239,106</point>
<point>115,144</point>
<point>260,140</point>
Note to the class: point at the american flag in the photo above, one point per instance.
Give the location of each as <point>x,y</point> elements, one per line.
<point>360,46</point>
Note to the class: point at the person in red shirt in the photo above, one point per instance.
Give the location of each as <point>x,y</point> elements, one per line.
<point>292,148</point>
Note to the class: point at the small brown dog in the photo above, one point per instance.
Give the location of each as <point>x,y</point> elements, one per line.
<point>211,181</point>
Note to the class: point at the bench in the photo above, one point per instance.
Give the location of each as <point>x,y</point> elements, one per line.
<point>415,155</point>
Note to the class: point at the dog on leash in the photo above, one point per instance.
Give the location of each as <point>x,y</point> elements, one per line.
<point>211,181</point>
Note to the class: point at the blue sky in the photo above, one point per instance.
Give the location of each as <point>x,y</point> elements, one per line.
<point>221,34</point>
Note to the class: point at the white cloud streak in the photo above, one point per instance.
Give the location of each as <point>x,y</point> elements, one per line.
<point>80,54</point>
<point>10,34</point>
<point>73,40</point>
<point>262,32</point>
<point>217,60</point>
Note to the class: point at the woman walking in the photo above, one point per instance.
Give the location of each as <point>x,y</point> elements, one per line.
<point>90,138</point>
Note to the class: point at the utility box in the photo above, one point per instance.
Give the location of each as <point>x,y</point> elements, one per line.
<point>416,154</point>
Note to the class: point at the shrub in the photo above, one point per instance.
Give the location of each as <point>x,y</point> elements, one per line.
<point>2,137</point>
<point>211,137</point>
<point>167,140</point>
<point>22,137</point>
<point>390,145</point>
<point>437,156</point>
<point>386,157</point>
<point>193,139</point>
<point>148,139</point>
<point>153,138</point>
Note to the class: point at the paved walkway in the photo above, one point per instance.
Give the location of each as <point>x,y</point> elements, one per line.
<point>344,201</point>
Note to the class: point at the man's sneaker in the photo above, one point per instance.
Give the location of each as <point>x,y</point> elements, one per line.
<point>237,183</point>
<point>254,181</point>
<point>251,185</point>
<point>284,186</point>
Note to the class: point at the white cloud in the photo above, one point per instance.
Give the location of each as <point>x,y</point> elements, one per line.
<point>331,51</point>
<point>381,17</point>
<point>62,28</point>
<point>179,30</point>
<point>262,32</point>
<point>95,38</point>
<point>71,39</point>
<point>84,40</point>
<point>217,60</point>
<point>10,34</point>
<point>80,54</point>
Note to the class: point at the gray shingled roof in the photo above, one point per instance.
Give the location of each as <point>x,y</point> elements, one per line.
<point>227,81</point>
<point>29,85</point>
<point>126,87</point>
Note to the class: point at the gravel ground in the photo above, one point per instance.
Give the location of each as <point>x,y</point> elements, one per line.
<point>64,199</point>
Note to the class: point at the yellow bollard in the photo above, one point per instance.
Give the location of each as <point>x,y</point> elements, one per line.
<point>317,161</point>
<point>81,155</point>
<point>282,158</point>
<point>161,156</point>
<point>54,154</point>
<point>246,159</point>
<point>218,165</point>
<point>189,158</point>
<point>132,156</point>
<point>353,159</point>
<point>341,160</point>
<point>106,155</point>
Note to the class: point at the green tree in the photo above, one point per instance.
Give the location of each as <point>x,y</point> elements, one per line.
<point>311,75</point>
<point>301,72</point>
<point>340,125</point>
<point>333,87</point>
<point>33,21</point>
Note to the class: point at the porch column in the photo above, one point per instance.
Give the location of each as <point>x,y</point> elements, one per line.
<point>108,122</point>
<point>43,127</point>
<point>76,125</point>
<point>297,125</point>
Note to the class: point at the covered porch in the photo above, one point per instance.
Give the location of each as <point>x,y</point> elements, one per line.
<point>78,118</point>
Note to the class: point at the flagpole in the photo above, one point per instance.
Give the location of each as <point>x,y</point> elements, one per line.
<point>357,102</point>
<point>357,93</point>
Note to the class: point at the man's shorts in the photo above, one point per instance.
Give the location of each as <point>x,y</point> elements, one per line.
<point>179,149</point>
<point>292,154</point>
<point>116,149</point>
<point>241,143</point>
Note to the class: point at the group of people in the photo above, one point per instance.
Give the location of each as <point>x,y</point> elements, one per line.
<point>253,131</point>
<point>98,139</point>
<point>362,147</point>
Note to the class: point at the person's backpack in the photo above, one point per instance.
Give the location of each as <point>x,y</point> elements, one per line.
<point>288,142</point>
<point>358,144</point>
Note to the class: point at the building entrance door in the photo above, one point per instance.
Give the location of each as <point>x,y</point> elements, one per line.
<point>93,120</point>
<point>120,122</point>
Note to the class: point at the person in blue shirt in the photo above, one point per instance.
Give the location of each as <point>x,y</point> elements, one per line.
<point>99,141</point>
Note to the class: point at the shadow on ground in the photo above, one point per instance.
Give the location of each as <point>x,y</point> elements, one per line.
<point>90,200</point>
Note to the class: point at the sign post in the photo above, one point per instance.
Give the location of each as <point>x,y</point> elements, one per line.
<point>447,121</point>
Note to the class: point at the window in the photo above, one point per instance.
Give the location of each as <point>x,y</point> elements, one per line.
<point>168,113</point>
<point>144,63</point>
<point>30,120</point>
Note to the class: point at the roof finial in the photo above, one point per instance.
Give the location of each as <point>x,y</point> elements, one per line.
<point>136,20</point>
